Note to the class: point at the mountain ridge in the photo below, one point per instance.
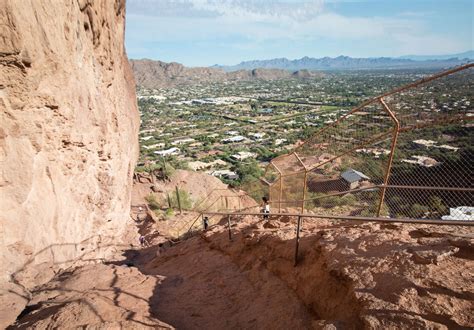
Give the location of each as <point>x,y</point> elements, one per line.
<point>343,62</point>
<point>157,74</point>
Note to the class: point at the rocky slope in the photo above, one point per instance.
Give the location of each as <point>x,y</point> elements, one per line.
<point>157,74</point>
<point>68,139</point>
<point>349,276</point>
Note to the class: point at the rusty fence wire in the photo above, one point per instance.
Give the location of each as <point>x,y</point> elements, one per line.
<point>405,154</point>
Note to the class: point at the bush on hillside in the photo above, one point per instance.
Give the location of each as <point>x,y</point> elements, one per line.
<point>152,202</point>
<point>184,199</point>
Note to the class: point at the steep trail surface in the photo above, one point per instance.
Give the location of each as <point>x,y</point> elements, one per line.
<point>201,288</point>
<point>350,275</point>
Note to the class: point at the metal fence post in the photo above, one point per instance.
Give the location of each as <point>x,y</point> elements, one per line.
<point>298,226</point>
<point>228,224</point>
<point>304,190</point>
<point>179,200</point>
<point>281,191</point>
<point>396,131</point>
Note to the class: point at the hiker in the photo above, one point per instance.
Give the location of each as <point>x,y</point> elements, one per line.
<point>143,241</point>
<point>205,222</point>
<point>266,207</point>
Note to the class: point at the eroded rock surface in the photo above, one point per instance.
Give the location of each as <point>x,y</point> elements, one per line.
<point>68,138</point>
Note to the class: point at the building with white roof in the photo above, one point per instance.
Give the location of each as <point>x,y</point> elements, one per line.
<point>241,155</point>
<point>168,152</point>
<point>233,139</point>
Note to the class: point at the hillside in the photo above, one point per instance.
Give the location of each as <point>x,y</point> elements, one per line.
<point>345,63</point>
<point>157,74</point>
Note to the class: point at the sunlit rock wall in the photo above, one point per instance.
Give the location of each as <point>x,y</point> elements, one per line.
<point>68,134</point>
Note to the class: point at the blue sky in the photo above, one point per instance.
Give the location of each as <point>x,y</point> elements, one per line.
<point>207,32</point>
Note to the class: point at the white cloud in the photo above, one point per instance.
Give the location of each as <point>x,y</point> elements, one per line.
<point>251,9</point>
<point>269,10</point>
<point>266,27</point>
<point>251,24</point>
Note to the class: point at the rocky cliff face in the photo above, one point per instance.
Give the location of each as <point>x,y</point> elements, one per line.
<point>68,135</point>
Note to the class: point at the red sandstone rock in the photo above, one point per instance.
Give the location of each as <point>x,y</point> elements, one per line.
<point>68,138</point>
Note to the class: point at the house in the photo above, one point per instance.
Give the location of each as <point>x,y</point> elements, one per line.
<point>422,161</point>
<point>154,146</point>
<point>198,165</point>
<point>460,213</point>
<point>353,178</point>
<point>376,152</point>
<point>279,141</point>
<point>257,136</point>
<point>168,152</point>
<point>225,174</point>
<point>233,139</point>
<point>424,143</point>
<point>265,110</point>
<point>241,155</point>
<point>183,141</point>
<point>448,147</point>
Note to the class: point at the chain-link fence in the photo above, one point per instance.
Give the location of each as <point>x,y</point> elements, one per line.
<point>218,200</point>
<point>405,154</point>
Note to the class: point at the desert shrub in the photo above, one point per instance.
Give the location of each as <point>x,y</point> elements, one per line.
<point>437,205</point>
<point>140,169</point>
<point>418,210</point>
<point>169,212</point>
<point>371,210</point>
<point>168,171</point>
<point>348,200</point>
<point>314,202</point>
<point>152,202</point>
<point>248,171</point>
<point>184,198</point>
<point>256,189</point>
<point>330,201</point>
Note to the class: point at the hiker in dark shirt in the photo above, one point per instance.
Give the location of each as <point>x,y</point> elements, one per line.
<point>266,207</point>
<point>205,222</point>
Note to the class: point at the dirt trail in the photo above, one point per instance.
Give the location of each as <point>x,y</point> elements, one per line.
<point>202,288</point>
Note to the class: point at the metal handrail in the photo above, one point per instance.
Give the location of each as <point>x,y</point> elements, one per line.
<point>193,220</point>
<point>300,217</point>
<point>356,218</point>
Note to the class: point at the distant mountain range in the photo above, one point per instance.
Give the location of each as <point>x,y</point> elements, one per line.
<point>469,55</point>
<point>158,74</point>
<point>350,63</point>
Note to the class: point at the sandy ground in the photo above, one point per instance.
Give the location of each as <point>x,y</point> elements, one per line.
<point>349,275</point>
<point>366,275</point>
